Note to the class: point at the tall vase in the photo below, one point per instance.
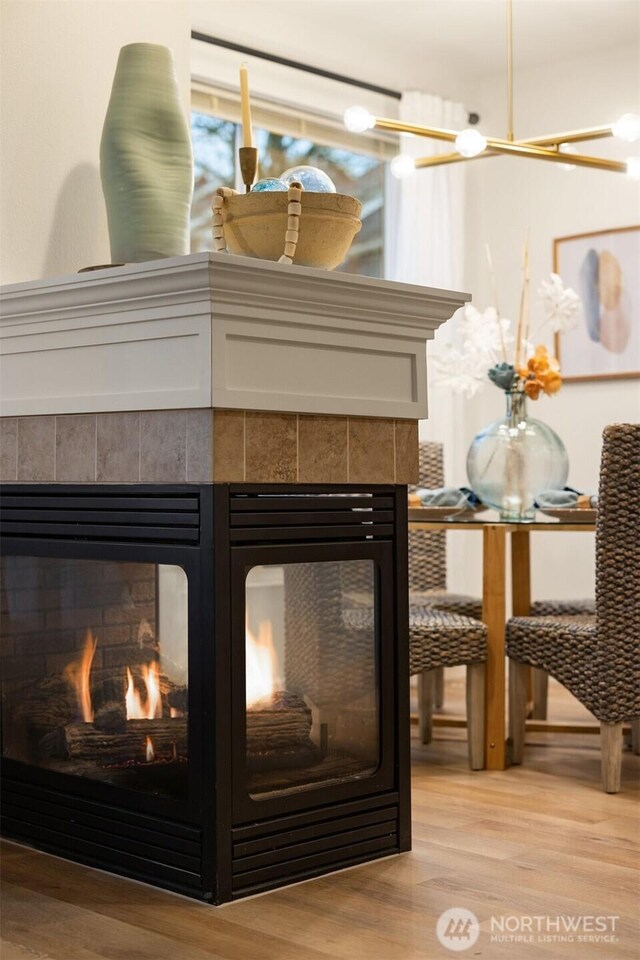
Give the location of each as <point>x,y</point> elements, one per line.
<point>514,459</point>
<point>146,163</point>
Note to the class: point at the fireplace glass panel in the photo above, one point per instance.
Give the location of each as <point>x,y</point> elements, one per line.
<point>94,678</point>
<point>312,704</point>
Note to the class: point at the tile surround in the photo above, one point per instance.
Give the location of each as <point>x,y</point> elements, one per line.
<point>36,449</point>
<point>323,449</point>
<point>8,448</point>
<point>76,448</point>
<point>204,446</point>
<point>163,446</point>
<point>117,447</point>
<point>271,447</point>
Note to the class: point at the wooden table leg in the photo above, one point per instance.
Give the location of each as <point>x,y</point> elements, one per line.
<point>493,614</point>
<point>521,585</point>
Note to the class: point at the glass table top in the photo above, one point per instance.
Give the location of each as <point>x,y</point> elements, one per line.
<point>580,519</point>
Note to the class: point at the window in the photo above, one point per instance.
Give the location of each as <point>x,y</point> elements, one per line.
<point>361,174</point>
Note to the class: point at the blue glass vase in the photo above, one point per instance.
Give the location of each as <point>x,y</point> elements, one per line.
<point>514,459</point>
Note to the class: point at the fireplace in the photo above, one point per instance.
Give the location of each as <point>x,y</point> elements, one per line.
<point>204,686</point>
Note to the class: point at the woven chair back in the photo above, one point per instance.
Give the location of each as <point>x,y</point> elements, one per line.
<point>327,657</point>
<point>427,550</point>
<point>618,568</point>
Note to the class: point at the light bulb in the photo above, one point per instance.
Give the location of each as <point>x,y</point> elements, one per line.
<point>470,142</point>
<point>627,127</point>
<point>358,119</point>
<point>567,148</point>
<point>633,168</point>
<point>402,166</point>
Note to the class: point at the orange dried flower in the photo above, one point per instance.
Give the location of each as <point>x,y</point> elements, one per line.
<point>532,388</point>
<point>551,382</point>
<point>541,373</point>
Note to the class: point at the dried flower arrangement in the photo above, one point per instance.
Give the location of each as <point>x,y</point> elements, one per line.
<point>487,350</point>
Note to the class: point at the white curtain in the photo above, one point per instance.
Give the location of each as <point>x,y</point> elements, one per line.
<point>425,244</point>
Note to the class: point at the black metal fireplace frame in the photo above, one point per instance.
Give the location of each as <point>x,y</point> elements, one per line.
<point>217,846</point>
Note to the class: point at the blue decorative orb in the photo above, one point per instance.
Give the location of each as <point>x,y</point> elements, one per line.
<point>312,179</point>
<point>269,184</point>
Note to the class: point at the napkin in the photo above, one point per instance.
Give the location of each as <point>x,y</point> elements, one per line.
<point>566,499</point>
<point>447,497</point>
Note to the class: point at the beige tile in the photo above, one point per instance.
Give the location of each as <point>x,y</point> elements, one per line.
<point>36,449</point>
<point>200,446</point>
<point>8,449</point>
<point>228,446</point>
<point>76,448</point>
<point>118,448</point>
<point>322,449</point>
<point>371,451</point>
<point>407,469</point>
<point>271,447</point>
<point>163,446</point>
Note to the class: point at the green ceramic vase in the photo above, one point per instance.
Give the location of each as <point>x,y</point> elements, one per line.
<point>146,162</point>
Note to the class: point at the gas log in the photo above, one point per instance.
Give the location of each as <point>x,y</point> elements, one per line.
<point>82,741</point>
<point>278,731</point>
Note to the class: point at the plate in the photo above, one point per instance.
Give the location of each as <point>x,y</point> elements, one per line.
<point>571,514</point>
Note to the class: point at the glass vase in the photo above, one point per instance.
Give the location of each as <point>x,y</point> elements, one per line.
<point>514,459</point>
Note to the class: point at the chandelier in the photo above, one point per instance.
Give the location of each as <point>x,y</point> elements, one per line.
<point>470,144</point>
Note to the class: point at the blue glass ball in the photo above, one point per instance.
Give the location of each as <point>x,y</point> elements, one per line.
<point>269,184</point>
<point>312,179</point>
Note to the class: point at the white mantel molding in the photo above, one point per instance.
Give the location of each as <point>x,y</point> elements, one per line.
<point>213,330</point>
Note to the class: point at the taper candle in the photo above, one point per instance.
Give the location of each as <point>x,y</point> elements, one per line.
<point>247,133</point>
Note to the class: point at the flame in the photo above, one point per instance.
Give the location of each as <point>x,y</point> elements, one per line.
<point>174,712</point>
<point>151,707</point>
<point>78,674</point>
<point>261,663</point>
<point>149,754</point>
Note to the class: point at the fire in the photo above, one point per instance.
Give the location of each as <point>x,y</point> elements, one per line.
<point>149,754</point>
<point>151,707</point>
<point>78,674</point>
<point>261,663</point>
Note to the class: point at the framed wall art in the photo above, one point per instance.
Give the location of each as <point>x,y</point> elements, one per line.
<point>604,270</point>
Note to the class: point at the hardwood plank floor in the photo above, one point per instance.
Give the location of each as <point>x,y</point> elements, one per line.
<point>541,839</point>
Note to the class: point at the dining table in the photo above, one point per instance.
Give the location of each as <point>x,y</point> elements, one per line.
<point>495,532</point>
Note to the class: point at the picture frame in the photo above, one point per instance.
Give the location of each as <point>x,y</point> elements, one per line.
<point>602,267</point>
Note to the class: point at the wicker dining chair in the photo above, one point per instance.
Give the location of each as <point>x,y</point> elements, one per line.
<point>597,658</point>
<point>329,629</point>
<point>428,578</point>
<point>437,640</point>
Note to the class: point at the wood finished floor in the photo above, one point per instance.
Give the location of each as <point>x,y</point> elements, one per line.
<point>541,839</point>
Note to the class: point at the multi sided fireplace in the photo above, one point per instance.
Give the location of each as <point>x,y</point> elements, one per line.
<point>204,686</point>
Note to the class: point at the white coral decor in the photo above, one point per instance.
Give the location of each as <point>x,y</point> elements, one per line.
<point>561,304</point>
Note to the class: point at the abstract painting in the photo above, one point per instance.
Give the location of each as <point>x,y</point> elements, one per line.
<point>604,270</point>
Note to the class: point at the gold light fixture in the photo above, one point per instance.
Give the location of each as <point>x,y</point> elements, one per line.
<point>470,144</point>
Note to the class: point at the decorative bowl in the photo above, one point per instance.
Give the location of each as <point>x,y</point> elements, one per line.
<point>255,225</point>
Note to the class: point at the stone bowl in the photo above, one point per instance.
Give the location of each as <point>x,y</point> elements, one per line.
<point>255,225</point>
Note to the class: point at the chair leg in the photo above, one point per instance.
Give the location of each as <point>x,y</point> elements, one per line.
<point>635,735</point>
<point>517,708</point>
<point>438,699</point>
<point>540,694</point>
<point>475,714</point>
<point>426,687</point>
<point>611,748</point>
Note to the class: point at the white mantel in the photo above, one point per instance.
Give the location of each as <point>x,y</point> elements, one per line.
<point>213,330</point>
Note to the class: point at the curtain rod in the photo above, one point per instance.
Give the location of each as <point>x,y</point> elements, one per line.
<point>305,67</point>
<point>296,64</point>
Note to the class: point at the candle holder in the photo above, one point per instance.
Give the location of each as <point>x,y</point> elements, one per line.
<point>248,166</point>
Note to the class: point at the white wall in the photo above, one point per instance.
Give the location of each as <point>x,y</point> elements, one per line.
<point>505,198</point>
<point>58,60</point>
